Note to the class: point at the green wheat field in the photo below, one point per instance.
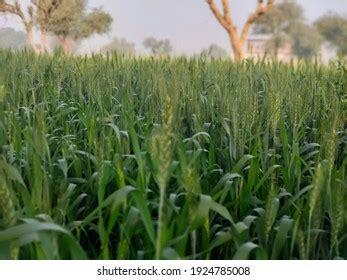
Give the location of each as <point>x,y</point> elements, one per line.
<point>157,158</point>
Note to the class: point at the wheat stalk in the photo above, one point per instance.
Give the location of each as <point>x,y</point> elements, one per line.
<point>337,221</point>
<point>317,186</point>
<point>8,213</point>
<point>164,158</point>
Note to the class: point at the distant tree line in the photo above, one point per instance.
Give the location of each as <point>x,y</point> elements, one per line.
<point>68,22</point>
<point>286,24</point>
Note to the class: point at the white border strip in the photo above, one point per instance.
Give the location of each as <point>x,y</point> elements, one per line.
<point>185,270</point>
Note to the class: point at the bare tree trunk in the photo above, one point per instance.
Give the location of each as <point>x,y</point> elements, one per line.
<point>15,9</point>
<point>44,12</point>
<point>31,41</point>
<point>43,41</point>
<point>44,21</point>
<point>67,44</point>
<point>237,48</point>
<point>277,47</point>
<point>225,19</point>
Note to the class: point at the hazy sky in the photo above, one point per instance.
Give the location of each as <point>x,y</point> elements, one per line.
<point>189,24</point>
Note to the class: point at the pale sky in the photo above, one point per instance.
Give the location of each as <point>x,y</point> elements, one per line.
<point>189,24</point>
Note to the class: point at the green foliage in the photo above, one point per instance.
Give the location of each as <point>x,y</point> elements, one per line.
<point>306,40</point>
<point>141,158</point>
<point>71,19</point>
<point>158,47</point>
<point>121,46</point>
<point>334,29</point>
<point>214,52</point>
<point>280,18</point>
<point>276,42</point>
<point>285,24</point>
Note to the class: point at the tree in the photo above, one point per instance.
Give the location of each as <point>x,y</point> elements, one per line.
<point>28,21</point>
<point>306,40</point>
<point>10,38</point>
<point>279,23</point>
<point>72,23</point>
<point>225,19</point>
<point>285,24</point>
<point>276,42</point>
<point>214,52</point>
<point>158,47</point>
<point>333,28</point>
<point>67,19</point>
<point>39,12</point>
<point>44,10</point>
<point>121,46</point>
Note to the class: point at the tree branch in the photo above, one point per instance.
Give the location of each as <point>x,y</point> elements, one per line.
<point>261,9</point>
<point>218,14</point>
<point>15,9</point>
<point>226,20</point>
<point>9,8</point>
<point>227,12</point>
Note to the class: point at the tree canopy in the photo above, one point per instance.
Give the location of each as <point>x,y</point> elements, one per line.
<point>286,24</point>
<point>69,20</point>
<point>158,47</point>
<point>214,52</point>
<point>121,46</point>
<point>280,18</point>
<point>306,40</point>
<point>333,28</point>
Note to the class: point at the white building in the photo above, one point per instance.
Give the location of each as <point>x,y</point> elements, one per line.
<point>256,48</point>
